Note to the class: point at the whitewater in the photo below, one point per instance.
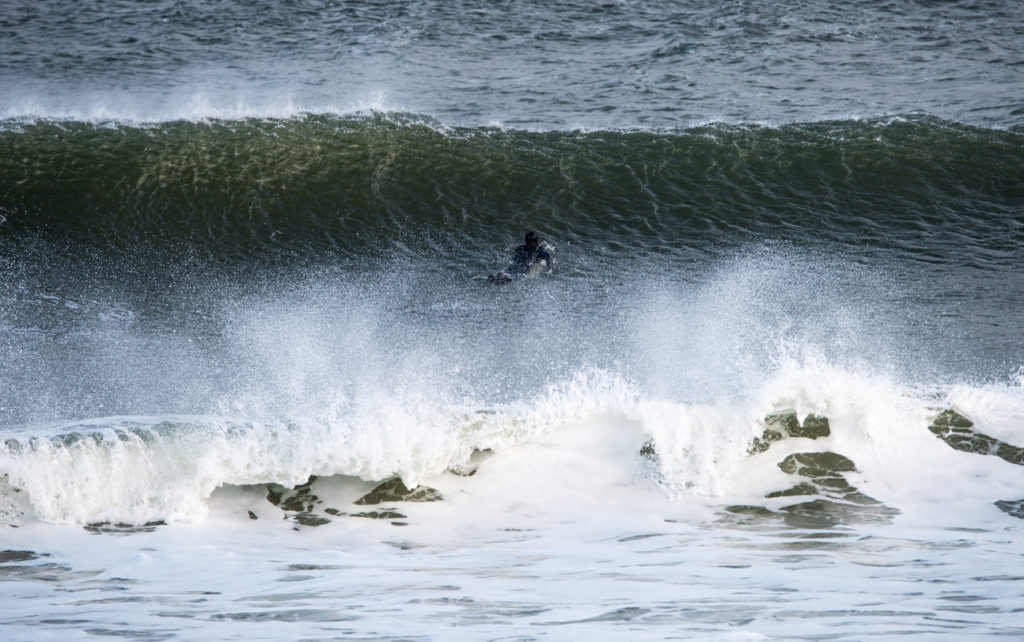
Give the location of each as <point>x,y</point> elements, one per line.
<point>613,487</point>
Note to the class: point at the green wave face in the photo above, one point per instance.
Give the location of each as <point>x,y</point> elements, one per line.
<point>364,184</point>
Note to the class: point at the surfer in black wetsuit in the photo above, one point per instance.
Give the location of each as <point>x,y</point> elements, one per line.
<point>525,258</point>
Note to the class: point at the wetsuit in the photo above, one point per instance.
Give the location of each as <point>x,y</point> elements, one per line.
<point>526,257</point>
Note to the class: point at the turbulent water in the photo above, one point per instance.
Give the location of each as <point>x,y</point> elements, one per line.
<point>253,382</point>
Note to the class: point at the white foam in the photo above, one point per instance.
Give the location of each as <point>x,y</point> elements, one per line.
<point>585,433</point>
<point>564,528</point>
<point>337,378</point>
<point>995,409</point>
<point>187,103</point>
<point>136,469</point>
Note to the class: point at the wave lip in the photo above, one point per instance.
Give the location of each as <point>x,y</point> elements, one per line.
<point>112,108</point>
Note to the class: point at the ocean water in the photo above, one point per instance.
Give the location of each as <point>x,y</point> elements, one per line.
<point>253,384</point>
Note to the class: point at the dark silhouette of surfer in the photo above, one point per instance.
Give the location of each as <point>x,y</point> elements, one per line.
<point>527,256</point>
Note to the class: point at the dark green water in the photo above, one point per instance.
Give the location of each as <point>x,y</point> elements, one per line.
<point>923,188</point>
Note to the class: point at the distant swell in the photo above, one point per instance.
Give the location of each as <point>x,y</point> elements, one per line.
<point>363,184</point>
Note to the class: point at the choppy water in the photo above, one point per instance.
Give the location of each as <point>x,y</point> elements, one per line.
<point>772,390</point>
<point>521,64</point>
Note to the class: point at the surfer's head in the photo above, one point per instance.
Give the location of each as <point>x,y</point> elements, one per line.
<point>532,239</point>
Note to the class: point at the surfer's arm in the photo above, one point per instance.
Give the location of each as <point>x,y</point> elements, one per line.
<point>548,261</point>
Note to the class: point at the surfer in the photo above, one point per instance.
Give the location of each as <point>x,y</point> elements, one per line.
<point>528,257</point>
